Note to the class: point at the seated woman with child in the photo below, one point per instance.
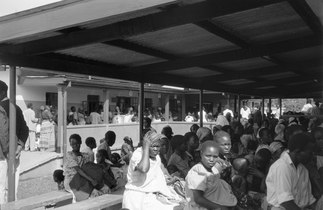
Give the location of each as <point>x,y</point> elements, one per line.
<point>146,187</point>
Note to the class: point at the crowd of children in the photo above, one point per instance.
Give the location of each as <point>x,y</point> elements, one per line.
<point>274,165</point>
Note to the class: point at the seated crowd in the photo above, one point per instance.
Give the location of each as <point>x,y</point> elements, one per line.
<point>271,165</point>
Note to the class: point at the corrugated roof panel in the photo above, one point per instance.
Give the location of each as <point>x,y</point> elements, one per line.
<point>111,54</point>
<point>184,40</point>
<point>267,24</point>
<point>279,75</point>
<point>246,64</point>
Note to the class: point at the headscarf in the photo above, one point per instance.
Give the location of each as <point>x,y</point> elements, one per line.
<point>153,137</point>
<point>221,120</point>
<point>204,134</point>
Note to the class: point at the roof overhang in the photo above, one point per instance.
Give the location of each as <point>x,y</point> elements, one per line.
<point>267,48</point>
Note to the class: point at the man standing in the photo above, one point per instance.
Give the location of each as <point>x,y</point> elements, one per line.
<point>245,111</point>
<point>288,183</point>
<point>31,121</point>
<point>22,132</point>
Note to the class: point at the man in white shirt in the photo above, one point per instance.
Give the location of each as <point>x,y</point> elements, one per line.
<point>204,114</point>
<point>95,117</point>
<point>31,121</point>
<point>307,108</point>
<point>288,184</point>
<point>245,111</point>
<point>227,110</point>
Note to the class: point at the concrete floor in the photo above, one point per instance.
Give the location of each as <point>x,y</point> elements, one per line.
<point>35,177</point>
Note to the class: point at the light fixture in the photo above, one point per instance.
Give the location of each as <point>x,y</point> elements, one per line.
<point>172,87</point>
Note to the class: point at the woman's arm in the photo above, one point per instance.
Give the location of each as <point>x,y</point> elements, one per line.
<point>83,174</point>
<point>144,165</point>
<point>202,201</point>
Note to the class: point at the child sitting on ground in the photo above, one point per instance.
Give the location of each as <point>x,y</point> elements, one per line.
<point>102,160</point>
<point>204,188</point>
<point>90,145</point>
<point>58,177</point>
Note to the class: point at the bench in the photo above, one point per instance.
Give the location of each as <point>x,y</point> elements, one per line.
<point>107,202</point>
<point>51,199</point>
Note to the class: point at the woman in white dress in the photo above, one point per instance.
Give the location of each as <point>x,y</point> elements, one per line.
<point>146,187</point>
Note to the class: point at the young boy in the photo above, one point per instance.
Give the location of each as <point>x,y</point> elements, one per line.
<point>107,142</point>
<point>59,179</point>
<point>90,145</point>
<point>204,188</point>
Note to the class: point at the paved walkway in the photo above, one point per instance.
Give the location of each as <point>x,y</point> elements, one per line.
<point>29,160</point>
<point>38,185</point>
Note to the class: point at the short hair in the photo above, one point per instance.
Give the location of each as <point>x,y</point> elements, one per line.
<point>76,137</point>
<point>220,134</point>
<point>59,175</point>
<point>29,105</point>
<point>262,132</point>
<point>110,137</point>
<point>3,86</point>
<point>252,145</point>
<point>189,135</point>
<point>194,127</point>
<point>240,163</point>
<point>290,130</point>
<point>90,142</point>
<point>265,154</point>
<point>167,130</point>
<point>207,144</point>
<point>148,120</point>
<point>300,141</point>
<point>177,141</point>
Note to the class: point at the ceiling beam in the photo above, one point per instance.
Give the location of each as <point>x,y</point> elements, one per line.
<point>308,16</point>
<point>168,18</point>
<point>68,66</point>
<point>232,55</point>
<point>211,27</point>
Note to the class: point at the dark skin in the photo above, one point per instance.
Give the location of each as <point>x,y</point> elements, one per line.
<point>298,156</point>
<point>76,150</point>
<point>209,155</point>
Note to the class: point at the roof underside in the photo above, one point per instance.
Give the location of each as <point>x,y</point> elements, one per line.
<point>255,47</point>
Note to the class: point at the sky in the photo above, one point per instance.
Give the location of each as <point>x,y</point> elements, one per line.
<point>13,6</point>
